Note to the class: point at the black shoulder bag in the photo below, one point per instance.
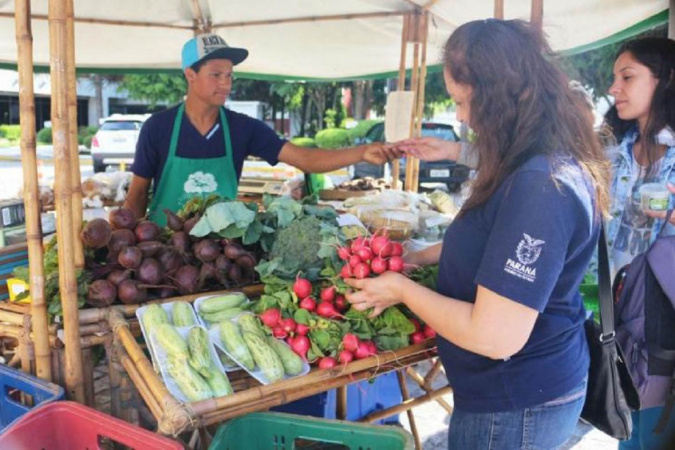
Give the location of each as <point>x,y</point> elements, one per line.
<point>611,393</point>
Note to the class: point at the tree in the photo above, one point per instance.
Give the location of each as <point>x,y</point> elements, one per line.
<point>154,88</point>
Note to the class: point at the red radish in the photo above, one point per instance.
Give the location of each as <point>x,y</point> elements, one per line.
<point>300,345</point>
<point>279,332</point>
<point>301,329</point>
<point>417,337</point>
<point>344,253</point>
<point>328,294</point>
<point>396,249</point>
<point>365,254</point>
<point>358,243</point>
<point>350,342</point>
<point>362,270</point>
<point>327,363</point>
<point>308,303</point>
<point>288,324</point>
<point>271,317</point>
<point>418,325</point>
<point>302,287</point>
<point>362,351</point>
<point>378,265</point>
<point>396,264</point>
<point>372,348</point>
<point>381,246</point>
<point>346,356</point>
<point>429,332</point>
<point>327,310</point>
<point>346,271</point>
<point>355,260</point>
<point>340,303</point>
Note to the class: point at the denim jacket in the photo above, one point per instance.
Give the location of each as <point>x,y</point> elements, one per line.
<point>622,160</point>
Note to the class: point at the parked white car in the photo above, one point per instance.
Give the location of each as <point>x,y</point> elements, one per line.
<point>115,141</point>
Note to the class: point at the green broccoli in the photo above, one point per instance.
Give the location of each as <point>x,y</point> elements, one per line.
<point>298,245</point>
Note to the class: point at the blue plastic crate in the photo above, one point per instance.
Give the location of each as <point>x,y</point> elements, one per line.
<point>13,383</point>
<point>363,398</point>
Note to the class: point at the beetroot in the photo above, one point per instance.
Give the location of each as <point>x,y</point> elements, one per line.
<point>207,272</point>
<point>174,222</point>
<point>190,223</point>
<point>234,274</point>
<point>96,233</point>
<point>222,263</point>
<point>131,292</point>
<point>187,279</point>
<point>147,231</point>
<point>118,276</point>
<point>119,239</point>
<point>101,293</point>
<point>165,292</point>
<point>246,261</point>
<point>150,248</point>
<point>206,250</point>
<point>180,241</point>
<point>302,287</point>
<point>130,257</point>
<point>122,219</point>
<point>149,272</point>
<point>233,251</point>
<point>170,260</point>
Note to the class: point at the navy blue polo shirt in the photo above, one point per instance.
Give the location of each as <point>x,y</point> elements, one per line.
<point>531,243</point>
<point>249,137</point>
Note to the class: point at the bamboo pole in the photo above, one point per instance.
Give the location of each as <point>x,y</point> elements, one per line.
<point>114,373</point>
<point>410,160</point>
<point>432,374</point>
<point>111,22</point>
<point>11,318</point>
<point>412,373</point>
<point>75,177</point>
<point>407,405</point>
<point>405,395</point>
<point>31,191</point>
<point>499,9</point>
<point>63,200</point>
<point>419,110</point>
<point>537,14</point>
<point>396,166</point>
<point>341,403</point>
<point>311,19</point>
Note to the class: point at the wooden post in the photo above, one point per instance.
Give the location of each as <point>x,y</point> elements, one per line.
<point>411,416</point>
<point>31,191</point>
<point>419,107</point>
<point>63,199</point>
<point>414,35</point>
<point>75,177</point>
<point>396,166</point>
<point>499,9</point>
<point>537,14</point>
<point>671,20</point>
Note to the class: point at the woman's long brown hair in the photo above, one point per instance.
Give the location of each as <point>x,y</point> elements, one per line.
<point>521,105</point>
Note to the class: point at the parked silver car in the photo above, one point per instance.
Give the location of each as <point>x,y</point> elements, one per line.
<point>115,141</point>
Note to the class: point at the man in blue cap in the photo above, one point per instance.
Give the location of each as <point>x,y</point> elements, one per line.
<point>199,147</point>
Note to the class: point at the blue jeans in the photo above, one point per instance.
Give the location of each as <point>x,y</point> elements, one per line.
<point>546,426</point>
<point>643,436</point>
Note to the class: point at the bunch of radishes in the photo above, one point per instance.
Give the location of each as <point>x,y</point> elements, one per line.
<point>294,333</point>
<point>331,306</point>
<point>352,348</point>
<point>366,256</point>
<point>422,332</point>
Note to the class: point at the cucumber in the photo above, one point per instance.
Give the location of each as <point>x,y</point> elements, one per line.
<point>227,301</point>
<point>267,359</point>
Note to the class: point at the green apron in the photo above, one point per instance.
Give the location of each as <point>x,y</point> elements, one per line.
<point>184,178</point>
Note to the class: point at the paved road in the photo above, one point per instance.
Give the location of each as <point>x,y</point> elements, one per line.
<point>11,172</point>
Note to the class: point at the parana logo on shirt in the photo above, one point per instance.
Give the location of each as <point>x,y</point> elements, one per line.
<point>527,253</point>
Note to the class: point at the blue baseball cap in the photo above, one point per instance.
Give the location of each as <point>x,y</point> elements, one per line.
<point>210,46</point>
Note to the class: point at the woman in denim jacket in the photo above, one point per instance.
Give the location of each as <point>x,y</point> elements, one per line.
<point>643,122</point>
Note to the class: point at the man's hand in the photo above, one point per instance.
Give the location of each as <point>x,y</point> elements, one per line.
<point>662,214</point>
<point>380,153</point>
<point>430,148</point>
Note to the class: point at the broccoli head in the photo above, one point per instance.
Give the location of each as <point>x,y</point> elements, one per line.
<point>298,245</point>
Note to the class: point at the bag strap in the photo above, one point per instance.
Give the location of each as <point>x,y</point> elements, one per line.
<point>606,303</point>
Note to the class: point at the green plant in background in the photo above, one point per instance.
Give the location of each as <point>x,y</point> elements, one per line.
<point>304,142</point>
<point>333,138</point>
<point>44,136</point>
<point>87,141</point>
<point>10,132</point>
<point>360,130</point>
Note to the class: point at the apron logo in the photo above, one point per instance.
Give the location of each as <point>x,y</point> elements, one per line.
<point>200,183</point>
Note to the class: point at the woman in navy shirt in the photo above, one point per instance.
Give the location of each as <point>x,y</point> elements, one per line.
<point>507,312</point>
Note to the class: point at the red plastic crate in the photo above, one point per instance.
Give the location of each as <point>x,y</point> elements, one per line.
<point>71,426</point>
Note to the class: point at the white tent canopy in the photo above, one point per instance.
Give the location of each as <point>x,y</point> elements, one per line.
<point>346,39</point>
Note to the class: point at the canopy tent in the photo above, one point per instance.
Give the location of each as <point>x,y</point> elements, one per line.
<point>300,39</point>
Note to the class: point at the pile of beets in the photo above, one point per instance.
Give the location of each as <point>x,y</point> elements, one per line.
<point>134,261</point>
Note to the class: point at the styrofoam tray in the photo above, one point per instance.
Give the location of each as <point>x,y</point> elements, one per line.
<point>200,300</point>
<point>214,333</point>
<point>168,307</point>
<point>162,361</point>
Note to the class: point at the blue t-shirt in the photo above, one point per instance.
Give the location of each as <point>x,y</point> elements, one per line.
<point>531,243</point>
<point>249,137</point>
